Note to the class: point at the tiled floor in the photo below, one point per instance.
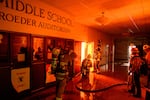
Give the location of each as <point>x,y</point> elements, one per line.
<point>103,86</point>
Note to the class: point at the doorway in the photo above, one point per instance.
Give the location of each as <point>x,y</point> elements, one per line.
<point>82,49</point>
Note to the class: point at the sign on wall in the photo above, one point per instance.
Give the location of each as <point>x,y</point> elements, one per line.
<point>29,13</point>
<point>20,79</point>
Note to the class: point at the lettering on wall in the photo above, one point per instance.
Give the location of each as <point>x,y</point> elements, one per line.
<point>21,7</point>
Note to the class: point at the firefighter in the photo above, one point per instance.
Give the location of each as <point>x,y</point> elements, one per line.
<point>146,49</point>
<point>98,59</point>
<point>86,65</point>
<point>135,64</point>
<point>60,68</point>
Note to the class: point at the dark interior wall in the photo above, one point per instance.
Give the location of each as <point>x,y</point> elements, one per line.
<point>122,44</point>
<point>121,50</point>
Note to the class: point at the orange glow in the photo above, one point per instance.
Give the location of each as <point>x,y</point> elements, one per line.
<point>83,50</point>
<point>90,48</point>
<point>82,95</point>
<point>130,10</point>
<point>91,52</point>
<point>87,48</point>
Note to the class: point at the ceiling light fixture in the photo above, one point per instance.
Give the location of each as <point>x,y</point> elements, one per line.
<point>102,20</point>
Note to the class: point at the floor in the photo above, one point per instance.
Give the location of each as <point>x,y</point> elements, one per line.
<point>100,86</point>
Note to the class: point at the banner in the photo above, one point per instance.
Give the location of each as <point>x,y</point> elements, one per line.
<point>20,79</point>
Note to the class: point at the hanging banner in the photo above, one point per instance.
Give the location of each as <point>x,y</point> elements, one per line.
<point>20,79</point>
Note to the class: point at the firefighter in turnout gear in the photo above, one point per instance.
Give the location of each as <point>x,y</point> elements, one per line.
<point>60,69</point>
<point>146,49</point>
<point>86,65</point>
<point>98,56</point>
<point>135,64</point>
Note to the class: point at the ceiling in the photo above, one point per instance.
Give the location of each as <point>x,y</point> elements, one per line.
<point>114,17</point>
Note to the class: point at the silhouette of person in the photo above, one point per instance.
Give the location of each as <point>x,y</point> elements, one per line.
<point>146,49</point>
<point>39,54</point>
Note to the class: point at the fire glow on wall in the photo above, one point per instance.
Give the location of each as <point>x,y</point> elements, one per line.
<point>87,48</point>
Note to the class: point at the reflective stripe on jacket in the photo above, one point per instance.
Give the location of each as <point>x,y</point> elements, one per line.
<point>54,65</point>
<point>61,76</point>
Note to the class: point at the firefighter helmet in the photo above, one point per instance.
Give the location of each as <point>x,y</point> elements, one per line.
<point>146,47</point>
<point>56,51</point>
<point>134,50</point>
